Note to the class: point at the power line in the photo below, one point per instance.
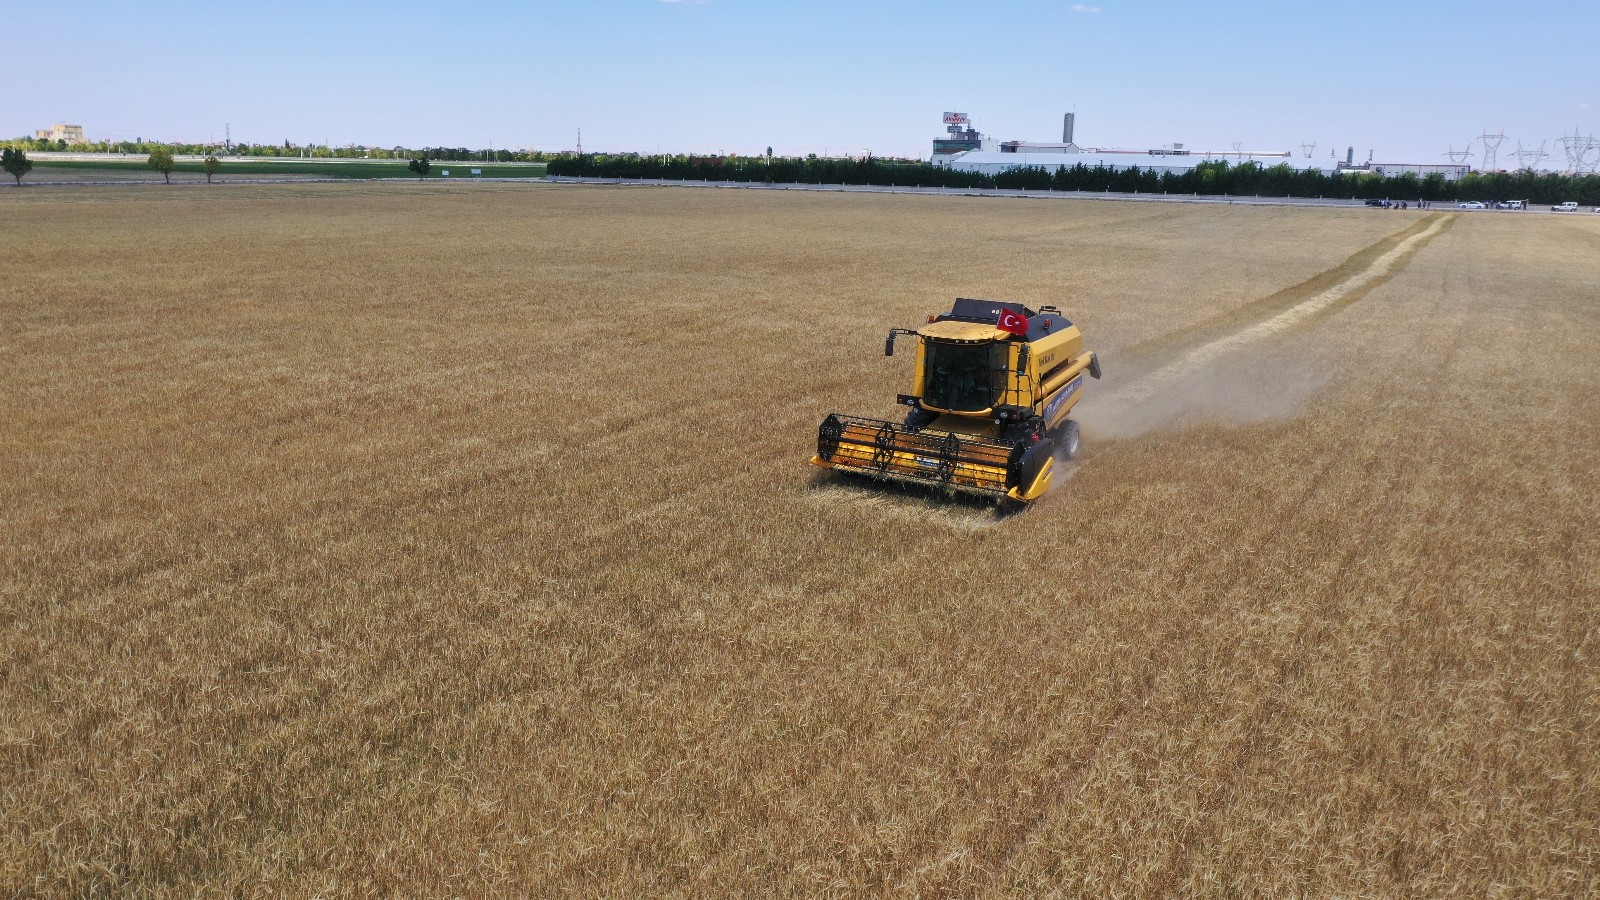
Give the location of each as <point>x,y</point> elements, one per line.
<point>1528,158</point>
<point>1578,150</point>
<point>1491,149</point>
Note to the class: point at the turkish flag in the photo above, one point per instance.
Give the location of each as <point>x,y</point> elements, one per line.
<point>1014,322</point>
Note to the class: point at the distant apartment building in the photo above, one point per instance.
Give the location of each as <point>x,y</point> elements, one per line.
<point>72,134</point>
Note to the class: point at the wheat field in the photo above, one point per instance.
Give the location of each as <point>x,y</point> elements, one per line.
<point>459,540</point>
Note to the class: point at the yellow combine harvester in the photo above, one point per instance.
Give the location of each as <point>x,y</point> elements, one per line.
<point>994,384</point>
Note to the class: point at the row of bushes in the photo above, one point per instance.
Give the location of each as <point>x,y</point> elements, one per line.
<point>1208,178</point>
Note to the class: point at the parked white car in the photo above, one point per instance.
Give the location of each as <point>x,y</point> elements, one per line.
<point>1569,206</point>
<point>1473,204</point>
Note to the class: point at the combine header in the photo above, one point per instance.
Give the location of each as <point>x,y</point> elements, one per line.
<point>988,407</point>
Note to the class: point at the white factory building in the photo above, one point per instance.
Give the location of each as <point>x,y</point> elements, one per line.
<point>1450,171</point>
<point>966,150</point>
<point>991,162</point>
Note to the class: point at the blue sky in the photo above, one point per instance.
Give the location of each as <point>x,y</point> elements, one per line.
<point>1404,79</point>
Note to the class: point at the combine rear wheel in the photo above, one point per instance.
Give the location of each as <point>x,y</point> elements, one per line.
<point>1068,440</point>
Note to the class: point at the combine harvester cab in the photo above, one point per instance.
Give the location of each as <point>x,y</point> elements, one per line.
<point>989,404</point>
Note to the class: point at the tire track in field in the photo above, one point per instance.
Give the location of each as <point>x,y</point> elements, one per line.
<point>1189,371</point>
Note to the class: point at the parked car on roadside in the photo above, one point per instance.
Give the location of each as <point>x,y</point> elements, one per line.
<point>1569,206</point>
<point>1382,203</point>
<point>1473,204</point>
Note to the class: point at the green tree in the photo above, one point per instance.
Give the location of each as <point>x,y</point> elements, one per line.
<point>419,165</point>
<point>16,163</point>
<point>211,165</point>
<point>161,161</point>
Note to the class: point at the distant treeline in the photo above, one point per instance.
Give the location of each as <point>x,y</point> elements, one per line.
<point>1209,178</point>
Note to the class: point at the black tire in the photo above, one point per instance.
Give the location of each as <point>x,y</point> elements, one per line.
<point>918,419</point>
<point>1068,440</point>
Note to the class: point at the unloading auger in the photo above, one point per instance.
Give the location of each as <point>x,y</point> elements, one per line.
<point>988,408</point>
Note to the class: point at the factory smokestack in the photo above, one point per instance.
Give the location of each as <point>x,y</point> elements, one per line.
<point>1066,127</point>
<point>1350,157</point>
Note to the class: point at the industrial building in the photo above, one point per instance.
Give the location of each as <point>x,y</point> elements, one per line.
<point>967,150</point>
<point>960,137</point>
<point>975,152</point>
<point>1176,160</point>
<point>1068,122</point>
<point>1450,171</point>
<point>72,134</point>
